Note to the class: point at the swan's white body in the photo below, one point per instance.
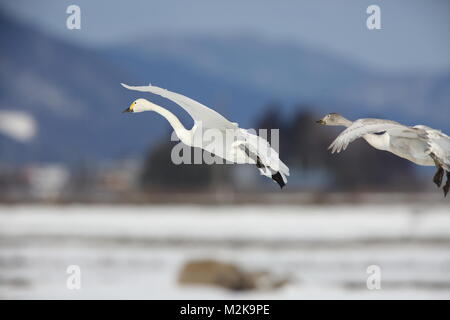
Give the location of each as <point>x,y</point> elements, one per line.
<point>215,134</point>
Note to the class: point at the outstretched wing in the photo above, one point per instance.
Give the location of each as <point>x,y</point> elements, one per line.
<point>362,127</point>
<point>200,113</point>
<point>438,144</point>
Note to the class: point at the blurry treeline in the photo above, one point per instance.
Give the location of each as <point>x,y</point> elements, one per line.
<point>304,148</point>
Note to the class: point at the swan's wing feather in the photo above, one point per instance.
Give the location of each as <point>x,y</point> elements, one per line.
<point>261,147</point>
<point>439,144</point>
<point>362,127</point>
<point>199,112</point>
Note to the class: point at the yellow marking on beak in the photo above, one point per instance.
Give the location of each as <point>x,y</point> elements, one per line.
<point>130,108</point>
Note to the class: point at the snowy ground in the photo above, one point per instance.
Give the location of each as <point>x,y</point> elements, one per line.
<point>136,251</point>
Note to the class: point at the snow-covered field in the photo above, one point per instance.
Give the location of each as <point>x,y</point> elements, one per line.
<point>137,251</point>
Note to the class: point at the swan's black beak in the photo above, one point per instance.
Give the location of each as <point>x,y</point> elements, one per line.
<point>127,110</point>
<point>320,121</point>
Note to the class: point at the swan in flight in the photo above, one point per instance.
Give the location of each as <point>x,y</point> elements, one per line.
<point>419,144</point>
<point>240,146</point>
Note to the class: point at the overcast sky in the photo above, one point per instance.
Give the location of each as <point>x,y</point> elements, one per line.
<point>414,35</point>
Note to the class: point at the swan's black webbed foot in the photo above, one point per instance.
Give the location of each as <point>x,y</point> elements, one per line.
<point>437,179</point>
<point>278,179</point>
<point>447,184</point>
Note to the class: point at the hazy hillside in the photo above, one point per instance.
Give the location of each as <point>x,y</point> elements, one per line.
<point>294,74</point>
<point>74,97</point>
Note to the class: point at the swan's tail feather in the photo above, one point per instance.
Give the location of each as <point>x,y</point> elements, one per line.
<point>272,167</point>
<point>283,168</point>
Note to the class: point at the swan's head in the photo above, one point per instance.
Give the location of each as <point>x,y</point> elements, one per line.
<point>332,119</point>
<point>140,105</point>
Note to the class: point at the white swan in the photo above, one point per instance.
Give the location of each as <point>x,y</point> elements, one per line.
<point>419,144</point>
<point>237,146</point>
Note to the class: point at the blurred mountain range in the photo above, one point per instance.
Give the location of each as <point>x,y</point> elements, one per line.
<point>74,97</point>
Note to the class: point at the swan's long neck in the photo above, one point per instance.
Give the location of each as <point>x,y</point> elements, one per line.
<point>345,122</point>
<point>180,130</point>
